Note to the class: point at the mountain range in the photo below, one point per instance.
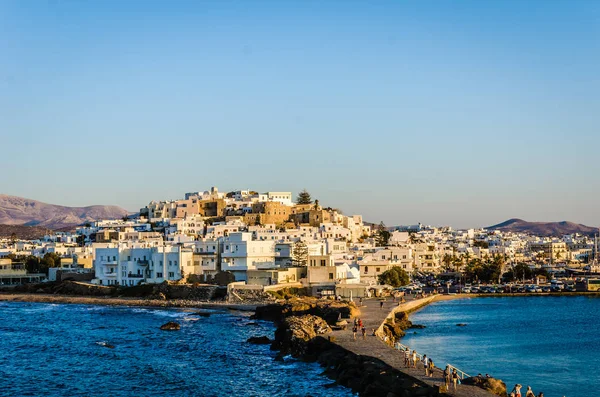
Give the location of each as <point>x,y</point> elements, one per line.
<point>545,229</point>
<point>22,211</point>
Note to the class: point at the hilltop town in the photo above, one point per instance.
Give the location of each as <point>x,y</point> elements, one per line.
<point>273,239</point>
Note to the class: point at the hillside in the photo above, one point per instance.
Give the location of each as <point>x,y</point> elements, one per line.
<point>23,232</point>
<point>557,229</point>
<point>21,211</point>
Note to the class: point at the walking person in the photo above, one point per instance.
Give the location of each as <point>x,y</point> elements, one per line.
<point>517,390</point>
<point>364,333</point>
<point>407,357</point>
<point>431,366</point>
<point>425,362</point>
<point>360,323</point>
<point>455,378</point>
<point>447,377</point>
<point>381,305</point>
<point>414,359</point>
<point>354,331</point>
<point>529,392</point>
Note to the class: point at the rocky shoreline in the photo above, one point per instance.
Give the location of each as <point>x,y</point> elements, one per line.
<point>160,295</point>
<point>302,331</point>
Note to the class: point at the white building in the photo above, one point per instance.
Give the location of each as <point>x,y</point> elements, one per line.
<point>241,253</point>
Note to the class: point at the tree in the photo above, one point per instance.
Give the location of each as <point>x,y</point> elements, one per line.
<point>396,277</point>
<point>300,253</point>
<point>13,237</point>
<point>383,235</point>
<point>304,198</point>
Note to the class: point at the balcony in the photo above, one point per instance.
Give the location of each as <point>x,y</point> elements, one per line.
<point>142,262</point>
<point>132,275</point>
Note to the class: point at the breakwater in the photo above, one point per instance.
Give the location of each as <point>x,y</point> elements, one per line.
<point>365,364</point>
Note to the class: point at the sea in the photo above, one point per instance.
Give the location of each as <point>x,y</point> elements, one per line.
<point>65,350</point>
<point>551,343</point>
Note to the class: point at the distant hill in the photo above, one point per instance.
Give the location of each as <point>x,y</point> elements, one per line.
<point>21,211</point>
<point>23,232</point>
<point>545,229</point>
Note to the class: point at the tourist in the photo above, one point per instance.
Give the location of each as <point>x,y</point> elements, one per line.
<point>360,301</point>
<point>414,359</point>
<point>454,378</point>
<point>356,321</point>
<point>407,357</point>
<point>364,333</point>
<point>354,331</point>
<point>425,364</point>
<point>431,367</point>
<point>517,390</point>
<point>360,323</point>
<point>529,392</point>
<point>373,333</point>
<point>381,305</point>
<point>447,376</point>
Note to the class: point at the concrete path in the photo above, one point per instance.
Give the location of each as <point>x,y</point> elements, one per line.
<point>372,316</point>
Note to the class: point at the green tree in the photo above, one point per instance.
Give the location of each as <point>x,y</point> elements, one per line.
<point>396,277</point>
<point>300,253</point>
<point>383,235</point>
<point>304,198</point>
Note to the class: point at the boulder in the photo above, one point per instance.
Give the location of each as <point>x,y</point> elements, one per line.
<point>494,386</point>
<point>293,335</point>
<point>170,326</point>
<point>259,340</point>
<point>461,325</point>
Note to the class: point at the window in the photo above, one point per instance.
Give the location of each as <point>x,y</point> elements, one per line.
<point>128,257</point>
<point>377,269</point>
<point>159,275</point>
<point>170,263</point>
<point>331,276</point>
<point>322,262</point>
<point>366,270</point>
<point>171,275</point>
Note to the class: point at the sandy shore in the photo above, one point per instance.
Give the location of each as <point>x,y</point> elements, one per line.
<point>110,301</point>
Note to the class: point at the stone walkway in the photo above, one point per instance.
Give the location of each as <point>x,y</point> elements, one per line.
<point>372,316</point>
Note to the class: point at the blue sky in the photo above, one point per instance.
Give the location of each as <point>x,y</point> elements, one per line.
<point>443,112</point>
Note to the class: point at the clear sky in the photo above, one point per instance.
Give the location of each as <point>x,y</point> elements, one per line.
<point>443,112</point>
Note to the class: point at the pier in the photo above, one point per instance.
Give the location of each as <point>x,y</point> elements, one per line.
<point>373,318</point>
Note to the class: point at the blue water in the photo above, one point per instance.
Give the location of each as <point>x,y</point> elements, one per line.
<point>550,343</point>
<point>53,350</point>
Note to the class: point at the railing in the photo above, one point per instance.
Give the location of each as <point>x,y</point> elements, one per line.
<point>132,275</point>
<point>461,374</point>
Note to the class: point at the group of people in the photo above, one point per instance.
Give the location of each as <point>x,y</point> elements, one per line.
<point>358,325</point>
<point>516,392</point>
<point>411,360</point>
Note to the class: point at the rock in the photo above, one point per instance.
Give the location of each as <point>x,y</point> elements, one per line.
<point>461,325</point>
<point>252,324</point>
<point>417,326</point>
<point>330,311</point>
<point>293,335</point>
<point>330,385</point>
<point>161,297</point>
<point>259,340</point>
<point>170,326</point>
<point>494,386</point>
<point>201,314</point>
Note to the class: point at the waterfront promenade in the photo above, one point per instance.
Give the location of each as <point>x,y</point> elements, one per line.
<point>372,316</point>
